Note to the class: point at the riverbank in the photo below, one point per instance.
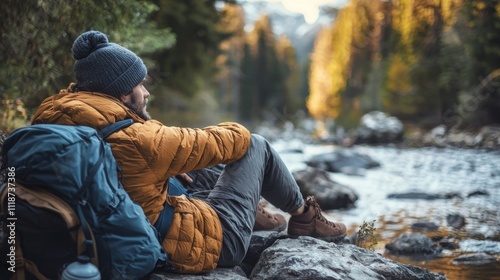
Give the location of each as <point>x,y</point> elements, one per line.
<point>485,137</point>
<point>460,181</point>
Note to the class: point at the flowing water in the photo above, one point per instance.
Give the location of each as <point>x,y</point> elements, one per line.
<point>429,170</point>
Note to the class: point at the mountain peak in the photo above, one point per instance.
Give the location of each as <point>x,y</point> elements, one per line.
<point>285,22</point>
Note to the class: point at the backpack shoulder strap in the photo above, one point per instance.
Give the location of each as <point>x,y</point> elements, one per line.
<point>164,221</point>
<point>114,127</point>
<point>84,225</point>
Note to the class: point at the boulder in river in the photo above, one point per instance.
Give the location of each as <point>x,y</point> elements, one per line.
<point>343,160</point>
<point>456,221</point>
<point>474,259</point>
<point>487,137</point>
<point>422,195</point>
<point>378,128</point>
<point>425,226</point>
<point>414,245</point>
<point>478,193</point>
<point>328,193</point>
<point>449,244</point>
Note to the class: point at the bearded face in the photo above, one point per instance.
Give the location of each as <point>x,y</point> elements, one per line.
<point>137,101</point>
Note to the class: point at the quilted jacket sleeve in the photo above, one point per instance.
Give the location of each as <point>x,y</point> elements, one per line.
<point>175,150</point>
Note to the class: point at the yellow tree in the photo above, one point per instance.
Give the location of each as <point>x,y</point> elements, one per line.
<point>322,103</point>
<point>339,59</point>
<point>398,83</point>
<point>359,71</point>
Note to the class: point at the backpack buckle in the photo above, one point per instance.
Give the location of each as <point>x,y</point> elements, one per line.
<point>83,202</point>
<point>110,208</point>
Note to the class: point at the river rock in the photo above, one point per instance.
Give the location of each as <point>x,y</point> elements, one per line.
<point>289,259</point>
<point>425,225</point>
<point>415,195</point>
<point>474,259</point>
<point>456,221</point>
<point>328,193</point>
<point>439,131</point>
<point>414,245</point>
<point>478,193</point>
<point>310,258</point>
<point>422,195</point>
<point>490,136</point>
<point>377,127</point>
<point>487,137</point>
<point>343,160</point>
<point>449,244</point>
<point>260,241</point>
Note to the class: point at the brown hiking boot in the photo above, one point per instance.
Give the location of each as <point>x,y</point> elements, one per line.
<point>313,223</point>
<point>267,221</point>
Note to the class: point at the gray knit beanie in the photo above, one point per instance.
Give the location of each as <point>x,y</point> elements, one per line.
<point>105,67</point>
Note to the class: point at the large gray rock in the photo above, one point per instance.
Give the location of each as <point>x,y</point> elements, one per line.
<point>455,220</point>
<point>423,195</point>
<point>378,127</point>
<point>310,258</point>
<point>343,161</point>
<point>425,226</point>
<point>487,137</point>
<point>260,241</point>
<point>280,257</point>
<point>328,193</point>
<point>474,259</point>
<point>414,245</point>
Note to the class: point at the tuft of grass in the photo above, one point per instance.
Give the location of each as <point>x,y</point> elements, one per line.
<point>367,237</point>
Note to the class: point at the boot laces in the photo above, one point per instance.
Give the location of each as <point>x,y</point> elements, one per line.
<point>311,202</point>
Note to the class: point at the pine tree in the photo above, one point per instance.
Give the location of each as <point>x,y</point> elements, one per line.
<point>190,63</point>
<point>36,39</point>
<point>289,99</point>
<point>265,70</point>
<point>229,61</point>
<point>482,101</point>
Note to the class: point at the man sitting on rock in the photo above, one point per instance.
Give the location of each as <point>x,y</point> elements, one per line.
<point>204,232</point>
<point>199,183</point>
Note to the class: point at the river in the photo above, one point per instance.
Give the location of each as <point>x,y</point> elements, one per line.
<point>430,170</point>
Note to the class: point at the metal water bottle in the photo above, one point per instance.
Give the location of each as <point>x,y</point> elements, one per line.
<point>82,269</point>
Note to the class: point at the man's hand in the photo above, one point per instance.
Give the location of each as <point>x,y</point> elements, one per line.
<point>185,177</point>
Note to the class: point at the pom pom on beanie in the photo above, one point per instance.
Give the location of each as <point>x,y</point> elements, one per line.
<point>105,67</point>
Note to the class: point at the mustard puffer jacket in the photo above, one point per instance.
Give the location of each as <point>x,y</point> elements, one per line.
<point>149,153</point>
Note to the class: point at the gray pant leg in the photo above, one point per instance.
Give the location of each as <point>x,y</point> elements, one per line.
<point>237,193</point>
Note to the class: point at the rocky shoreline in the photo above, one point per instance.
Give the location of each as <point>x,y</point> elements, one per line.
<point>277,256</point>
<point>378,128</point>
<point>486,137</point>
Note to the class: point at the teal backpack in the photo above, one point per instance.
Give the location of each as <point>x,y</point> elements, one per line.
<point>64,196</point>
